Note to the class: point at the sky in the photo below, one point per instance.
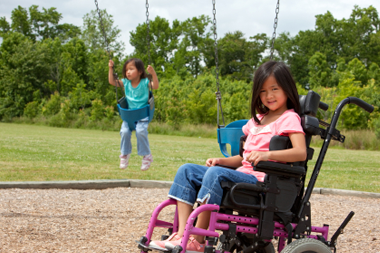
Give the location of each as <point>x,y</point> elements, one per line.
<point>249,16</point>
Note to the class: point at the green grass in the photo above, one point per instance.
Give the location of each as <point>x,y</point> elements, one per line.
<point>40,153</point>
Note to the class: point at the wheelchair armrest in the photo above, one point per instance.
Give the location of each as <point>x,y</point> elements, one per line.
<point>280,169</point>
<point>252,190</point>
<point>227,167</point>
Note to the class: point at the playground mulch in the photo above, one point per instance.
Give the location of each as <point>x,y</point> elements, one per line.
<point>111,220</point>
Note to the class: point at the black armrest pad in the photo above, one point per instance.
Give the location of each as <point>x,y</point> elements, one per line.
<point>227,167</point>
<point>280,169</point>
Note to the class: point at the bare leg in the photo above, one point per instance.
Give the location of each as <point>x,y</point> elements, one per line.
<point>202,222</point>
<point>184,211</point>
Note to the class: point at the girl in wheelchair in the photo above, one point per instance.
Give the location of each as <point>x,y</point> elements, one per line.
<point>275,110</point>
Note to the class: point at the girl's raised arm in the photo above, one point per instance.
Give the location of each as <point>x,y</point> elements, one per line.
<point>111,79</point>
<point>155,82</point>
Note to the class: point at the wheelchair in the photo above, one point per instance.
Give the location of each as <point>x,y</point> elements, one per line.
<point>252,217</point>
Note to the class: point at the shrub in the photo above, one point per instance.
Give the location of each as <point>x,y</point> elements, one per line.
<point>376,127</point>
<point>97,110</point>
<point>53,106</point>
<point>81,120</point>
<point>65,110</point>
<point>31,110</point>
<point>110,112</point>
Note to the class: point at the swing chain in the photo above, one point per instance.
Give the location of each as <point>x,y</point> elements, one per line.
<point>215,45</point>
<point>103,30</point>
<point>275,27</point>
<point>218,94</point>
<point>115,76</point>
<point>147,30</point>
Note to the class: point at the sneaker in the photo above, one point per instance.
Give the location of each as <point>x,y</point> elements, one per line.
<point>193,246</point>
<point>160,245</point>
<point>147,160</point>
<point>124,160</point>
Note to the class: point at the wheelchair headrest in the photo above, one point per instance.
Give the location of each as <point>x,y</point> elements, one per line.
<point>309,103</point>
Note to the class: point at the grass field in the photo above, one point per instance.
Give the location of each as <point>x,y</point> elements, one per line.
<point>39,153</point>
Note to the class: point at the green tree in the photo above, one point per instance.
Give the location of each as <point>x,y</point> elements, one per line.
<point>38,25</point>
<point>23,68</point>
<point>319,71</point>
<point>163,40</point>
<point>92,32</point>
<point>347,39</point>
<point>238,57</point>
<point>190,51</point>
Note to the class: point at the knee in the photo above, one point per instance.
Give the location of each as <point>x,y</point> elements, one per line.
<point>213,172</point>
<point>183,169</point>
<point>141,132</point>
<point>125,131</point>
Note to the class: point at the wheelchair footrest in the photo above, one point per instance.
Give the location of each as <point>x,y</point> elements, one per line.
<point>145,248</point>
<point>141,245</point>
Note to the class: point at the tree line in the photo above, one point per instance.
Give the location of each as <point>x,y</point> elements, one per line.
<point>59,71</point>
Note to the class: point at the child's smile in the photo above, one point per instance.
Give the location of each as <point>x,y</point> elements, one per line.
<point>273,96</point>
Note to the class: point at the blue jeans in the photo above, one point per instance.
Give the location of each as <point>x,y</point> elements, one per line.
<point>195,182</point>
<point>141,135</point>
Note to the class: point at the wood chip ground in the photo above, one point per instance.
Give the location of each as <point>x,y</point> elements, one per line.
<point>111,220</point>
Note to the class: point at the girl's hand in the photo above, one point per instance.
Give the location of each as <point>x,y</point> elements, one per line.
<point>212,162</point>
<point>150,70</point>
<point>110,64</point>
<point>256,156</point>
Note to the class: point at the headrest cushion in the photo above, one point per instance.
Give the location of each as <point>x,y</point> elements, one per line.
<point>309,103</point>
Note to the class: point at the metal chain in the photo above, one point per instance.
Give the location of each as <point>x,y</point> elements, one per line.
<point>147,30</point>
<point>103,30</point>
<point>108,50</point>
<point>215,45</point>
<point>218,94</point>
<point>275,27</point>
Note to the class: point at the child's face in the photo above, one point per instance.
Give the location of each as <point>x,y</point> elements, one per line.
<point>131,72</point>
<point>273,96</point>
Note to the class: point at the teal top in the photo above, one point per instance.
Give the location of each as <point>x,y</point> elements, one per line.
<point>136,97</point>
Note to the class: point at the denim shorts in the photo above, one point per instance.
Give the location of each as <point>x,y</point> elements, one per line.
<point>199,183</point>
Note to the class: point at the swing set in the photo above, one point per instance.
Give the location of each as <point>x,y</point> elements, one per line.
<point>227,135</point>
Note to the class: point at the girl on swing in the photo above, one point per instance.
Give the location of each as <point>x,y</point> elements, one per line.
<point>275,99</point>
<point>136,86</point>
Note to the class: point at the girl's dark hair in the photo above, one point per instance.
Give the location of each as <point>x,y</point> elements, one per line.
<point>139,66</point>
<point>284,79</point>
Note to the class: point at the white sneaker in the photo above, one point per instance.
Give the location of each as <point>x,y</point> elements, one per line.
<point>124,160</point>
<point>147,160</point>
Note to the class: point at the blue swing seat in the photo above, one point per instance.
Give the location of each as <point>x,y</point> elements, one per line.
<point>231,135</point>
<point>131,116</point>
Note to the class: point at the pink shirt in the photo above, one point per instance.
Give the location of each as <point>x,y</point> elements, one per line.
<point>259,137</point>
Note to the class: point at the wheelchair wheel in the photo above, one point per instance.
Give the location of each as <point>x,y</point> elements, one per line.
<point>306,245</point>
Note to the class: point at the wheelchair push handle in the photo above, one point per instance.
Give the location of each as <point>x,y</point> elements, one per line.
<point>323,106</point>
<point>357,101</point>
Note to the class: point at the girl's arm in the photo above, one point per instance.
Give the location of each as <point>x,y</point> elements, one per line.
<point>233,161</point>
<point>295,154</point>
<point>151,71</point>
<point>111,79</point>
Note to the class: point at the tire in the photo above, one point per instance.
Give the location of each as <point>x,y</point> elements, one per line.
<point>306,245</point>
